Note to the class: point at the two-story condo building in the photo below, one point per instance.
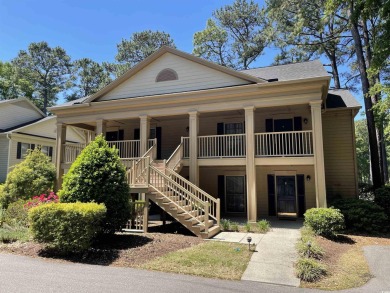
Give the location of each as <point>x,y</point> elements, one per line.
<point>202,140</point>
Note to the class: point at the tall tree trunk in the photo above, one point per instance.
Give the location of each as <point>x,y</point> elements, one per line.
<point>45,98</point>
<point>372,139</point>
<point>335,70</point>
<point>375,100</point>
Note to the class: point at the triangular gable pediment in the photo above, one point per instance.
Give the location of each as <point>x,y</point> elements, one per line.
<point>193,74</point>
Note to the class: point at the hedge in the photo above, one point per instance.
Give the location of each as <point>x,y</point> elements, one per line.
<point>327,222</point>
<point>66,227</point>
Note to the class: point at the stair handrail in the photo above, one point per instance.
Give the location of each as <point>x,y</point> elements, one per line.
<point>182,192</point>
<point>176,157</point>
<point>152,151</point>
<point>214,203</point>
<point>139,169</point>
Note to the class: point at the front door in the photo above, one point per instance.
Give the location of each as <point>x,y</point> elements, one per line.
<point>235,199</point>
<point>286,194</point>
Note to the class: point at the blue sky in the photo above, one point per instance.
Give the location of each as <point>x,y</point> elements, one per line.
<point>93,28</point>
<point>86,28</point>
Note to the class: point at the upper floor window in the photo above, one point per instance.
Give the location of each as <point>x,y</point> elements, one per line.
<point>166,75</point>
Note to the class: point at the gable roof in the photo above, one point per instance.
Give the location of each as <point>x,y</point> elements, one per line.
<point>341,98</point>
<point>293,71</point>
<point>20,100</point>
<point>165,49</point>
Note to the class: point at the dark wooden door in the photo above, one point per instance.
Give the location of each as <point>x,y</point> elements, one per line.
<point>235,194</point>
<point>286,194</point>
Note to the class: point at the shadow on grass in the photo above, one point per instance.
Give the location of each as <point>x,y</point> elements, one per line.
<point>104,251</point>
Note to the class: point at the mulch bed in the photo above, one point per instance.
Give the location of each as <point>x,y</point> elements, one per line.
<point>121,249</point>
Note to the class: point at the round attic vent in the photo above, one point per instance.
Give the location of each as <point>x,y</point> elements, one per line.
<point>166,75</point>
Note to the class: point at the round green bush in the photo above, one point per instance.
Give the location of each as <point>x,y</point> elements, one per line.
<point>98,176</point>
<point>66,227</point>
<point>33,176</point>
<point>310,270</point>
<point>326,222</point>
<point>362,216</point>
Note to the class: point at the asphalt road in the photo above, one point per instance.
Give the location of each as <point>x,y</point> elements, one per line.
<point>24,274</point>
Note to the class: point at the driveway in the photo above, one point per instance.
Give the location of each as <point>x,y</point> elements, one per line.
<point>24,274</point>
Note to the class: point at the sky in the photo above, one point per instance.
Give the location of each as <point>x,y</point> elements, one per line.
<point>92,29</point>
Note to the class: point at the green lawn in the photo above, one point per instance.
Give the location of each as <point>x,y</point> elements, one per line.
<point>210,259</point>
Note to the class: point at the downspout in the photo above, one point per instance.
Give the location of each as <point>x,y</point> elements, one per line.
<point>8,135</point>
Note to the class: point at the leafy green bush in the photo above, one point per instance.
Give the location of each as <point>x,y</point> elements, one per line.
<point>33,176</point>
<point>2,216</point>
<point>16,214</point>
<point>263,226</point>
<point>307,246</point>
<point>362,215</point>
<point>225,224</point>
<point>66,227</point>
<point>97,175</point>
<point>309,269</point>
<point>382,198</point>
<point>248,227</point>
<point>327,222</point>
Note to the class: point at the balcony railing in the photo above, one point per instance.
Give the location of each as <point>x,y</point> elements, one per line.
<point>71,151</point>
<point>218,146</point>
<point>284,144</point>
<point>127,148</point>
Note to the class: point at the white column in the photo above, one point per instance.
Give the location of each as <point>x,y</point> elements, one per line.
<point>144,133</point>
<point>319,166</point>
<point>61,139</point>
<point>193,160</point>
<point>250,164</point>
<point>101,126</point>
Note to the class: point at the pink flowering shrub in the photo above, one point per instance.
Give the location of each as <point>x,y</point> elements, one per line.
<point>42,199</point>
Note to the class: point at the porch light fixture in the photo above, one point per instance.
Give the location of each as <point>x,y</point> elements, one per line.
<point>305,120</point>
<point>308,178</point>
<point>249,239</point>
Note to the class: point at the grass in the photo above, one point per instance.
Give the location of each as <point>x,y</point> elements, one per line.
<point>262,226</point>
<point>210,259</point>
<point>8,235</point>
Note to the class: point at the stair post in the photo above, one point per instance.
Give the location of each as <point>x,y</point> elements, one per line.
<point>218,212</point>
<point>206,217</point>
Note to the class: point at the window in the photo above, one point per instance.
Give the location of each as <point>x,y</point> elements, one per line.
<point>166,75</point>
<point>23,148</point>
<point>234,128</point>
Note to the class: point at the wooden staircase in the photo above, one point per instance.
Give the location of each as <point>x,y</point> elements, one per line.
<point>196,210</point>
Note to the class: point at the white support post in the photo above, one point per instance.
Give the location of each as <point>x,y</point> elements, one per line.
<point>61,139</point>
<point>101,126</point>
<point>193,159</point>
<point>319,166</point>
<point>250,164</point>
<point>144,133</point>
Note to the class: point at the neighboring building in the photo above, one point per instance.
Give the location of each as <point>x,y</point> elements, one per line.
<point>254,143</point>
<point>23,126</point>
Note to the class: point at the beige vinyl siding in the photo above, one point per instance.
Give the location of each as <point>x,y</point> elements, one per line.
<point>47,128</point>
<point>17,113</point>
<point>31,140</point>
<point>262,185</point>
<point>191,76</point>
<point>339,153</point>
<point>4,146</point>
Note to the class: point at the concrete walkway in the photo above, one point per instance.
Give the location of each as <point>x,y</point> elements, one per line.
<point>275,253</point>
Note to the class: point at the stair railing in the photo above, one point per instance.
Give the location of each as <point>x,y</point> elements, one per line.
<point>176,157</point>
<point>214,203</point>
<point>169,188</point>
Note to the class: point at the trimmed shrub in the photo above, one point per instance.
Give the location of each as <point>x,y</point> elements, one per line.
<point>16,214</point>
<point>34,175</point>
<point>98,176</point>
<point>310,270</point>
<point>66,227</point>
<point>362,216</point>
<point>382,198</point>
<point>326,222</point>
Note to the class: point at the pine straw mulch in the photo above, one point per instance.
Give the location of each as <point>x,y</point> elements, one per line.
<point>121,249</point>
<point>345,261</point>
